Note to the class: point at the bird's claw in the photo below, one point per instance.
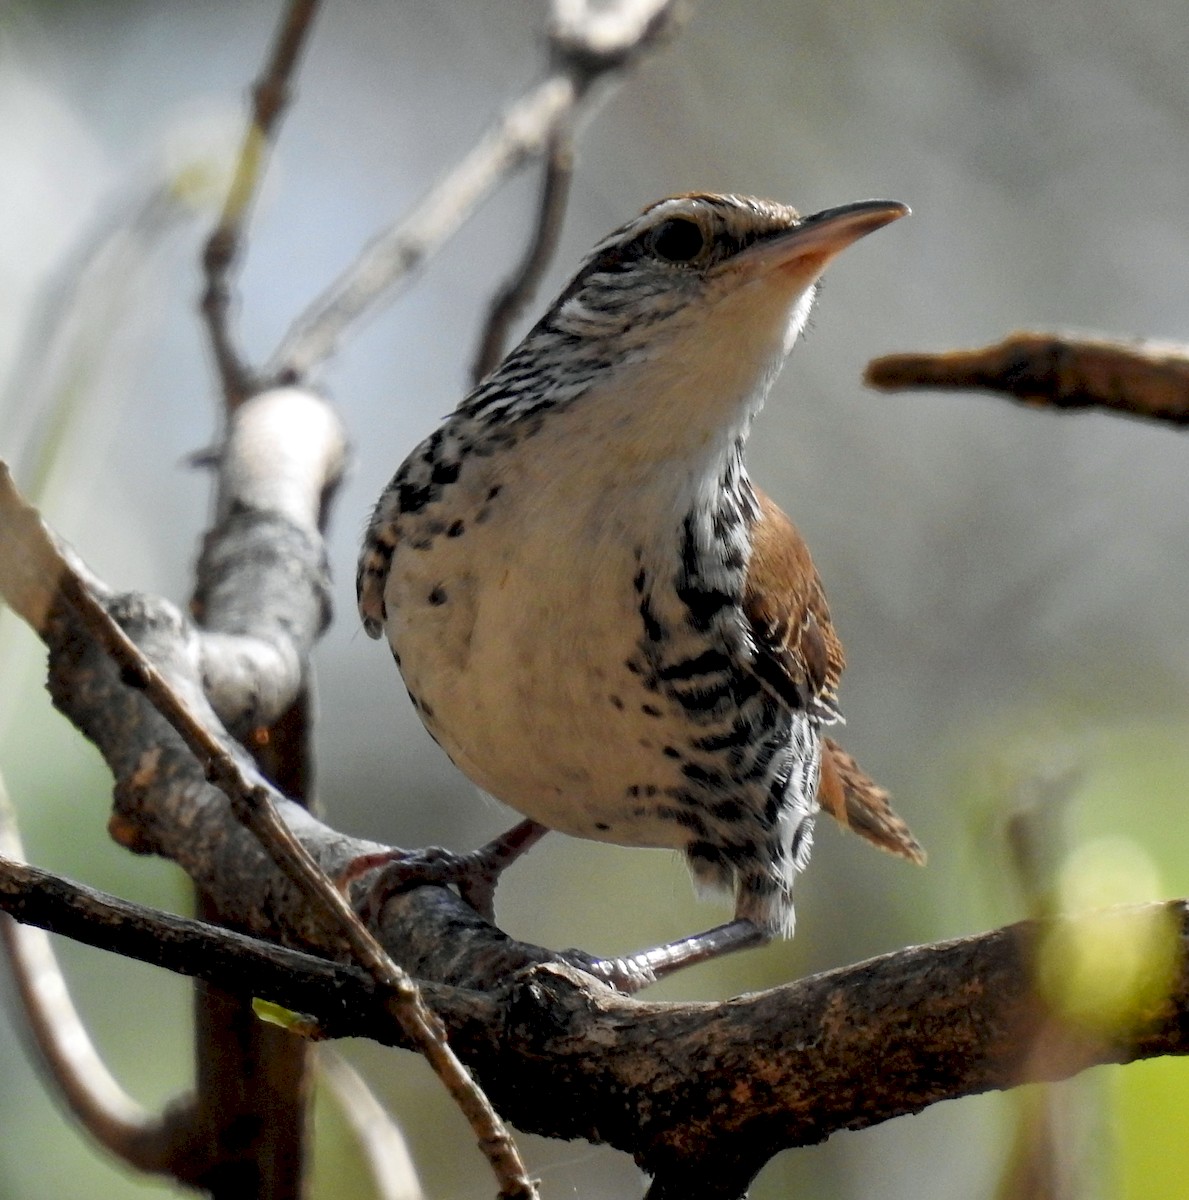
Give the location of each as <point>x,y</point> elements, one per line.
<point>625,975</point>
<point>473,874</point>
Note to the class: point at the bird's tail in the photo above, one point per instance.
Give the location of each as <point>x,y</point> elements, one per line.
<point>857,802</point>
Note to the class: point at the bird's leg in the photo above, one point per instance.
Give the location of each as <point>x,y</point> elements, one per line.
<point>475,874</point>
<point>636,971</point>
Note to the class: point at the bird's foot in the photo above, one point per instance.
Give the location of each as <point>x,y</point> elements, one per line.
<point>474,874</point>
<point>633,972</point>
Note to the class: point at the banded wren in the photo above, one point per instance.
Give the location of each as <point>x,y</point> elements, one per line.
<point>597,615</point>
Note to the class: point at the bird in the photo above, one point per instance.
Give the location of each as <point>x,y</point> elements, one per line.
<point>597,615</point>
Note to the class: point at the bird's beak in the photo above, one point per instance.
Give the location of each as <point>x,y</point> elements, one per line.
<point>804,250</point>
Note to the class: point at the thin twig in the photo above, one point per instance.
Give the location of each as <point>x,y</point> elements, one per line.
<point>390,258</point>
<point>252,800</point>
<point>589,43</point>
<point>69,1056</point>
<point>270,96</point>
<point>1139,378</point>
<point>519,290</point>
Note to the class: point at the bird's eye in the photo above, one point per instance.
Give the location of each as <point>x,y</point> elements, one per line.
<point>678,240</point>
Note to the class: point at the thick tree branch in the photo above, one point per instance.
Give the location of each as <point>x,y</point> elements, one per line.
<point>701,1093</point>
<point>263,590</point>
<point>1138,378</point>
<point>589,43</point>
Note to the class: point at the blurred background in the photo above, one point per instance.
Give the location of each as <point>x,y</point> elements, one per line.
<point>1011,586</point>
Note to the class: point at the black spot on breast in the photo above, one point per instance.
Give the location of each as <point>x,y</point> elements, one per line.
<point>437,596</point>
<point>650,710</point>
<point>445,473</point>
<point>741,854</point>
<point>739,734</point>
<point>616,702</point>
<point>602,826</point>
<point>412,498</point>
<point>671,752</point>
<point>456,529</point>
<point>433,443</point>
<point>774,803</point>
<point>764,753</point>
<point>683,817</point>
<point>704,699</point>
<point>690,561</point>
<point>726,520</point>
<point>733,559</point>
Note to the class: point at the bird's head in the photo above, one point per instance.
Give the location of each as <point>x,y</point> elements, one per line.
<point>665,342</point>
<point>709,270</point>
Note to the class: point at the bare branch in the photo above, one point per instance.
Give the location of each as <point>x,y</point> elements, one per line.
<point>606,36</point>
<point>519,290</point>
<point>270,96</point>
<point>1139,378</point>
<point>393,1174</point>
<point>390,258</point>
<point>589,43</point>
<point>67,1053</point>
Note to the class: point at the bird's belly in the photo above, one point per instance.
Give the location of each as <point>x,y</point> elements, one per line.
<point>524,677</point>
